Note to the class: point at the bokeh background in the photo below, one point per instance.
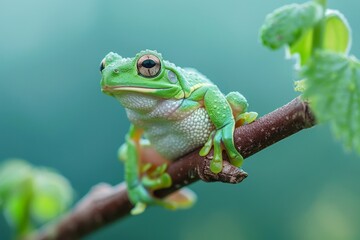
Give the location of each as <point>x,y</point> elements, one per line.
<point>52,113</point>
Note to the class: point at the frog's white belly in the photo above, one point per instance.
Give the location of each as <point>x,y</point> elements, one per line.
<point>175,138</point>
<point>174,127</point>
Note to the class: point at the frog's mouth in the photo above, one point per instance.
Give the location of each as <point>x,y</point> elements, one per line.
<point>114,89</point>
<point>169,92</point>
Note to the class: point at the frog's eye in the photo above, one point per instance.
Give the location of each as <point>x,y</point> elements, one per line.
<point>102,65</point>
<point>149,66</point>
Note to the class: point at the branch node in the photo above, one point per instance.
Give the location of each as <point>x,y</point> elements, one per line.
<point>229,173</point>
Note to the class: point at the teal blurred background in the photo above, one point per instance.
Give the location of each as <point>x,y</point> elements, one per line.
<point>52,113</point>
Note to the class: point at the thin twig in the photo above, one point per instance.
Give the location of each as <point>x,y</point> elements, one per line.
<point>105,204</point>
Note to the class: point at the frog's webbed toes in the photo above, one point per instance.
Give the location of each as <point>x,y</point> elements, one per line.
<point>222,139</point>
<point>138,209</point>
<point>155,177</point>
<point>250,116</point>
<point>140,197</point>
<point>162,181</point>
<point>245,118</point>
<point>214,141</point>
<point>182,199</point>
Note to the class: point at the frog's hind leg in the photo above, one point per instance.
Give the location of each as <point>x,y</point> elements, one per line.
<point>239,106</point>
<point>152,166</point>
<point>153,177</point>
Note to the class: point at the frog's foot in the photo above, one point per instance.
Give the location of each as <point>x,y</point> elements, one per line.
<point>245,118</point>
<point>239,105</point>
<point>181,199</point>
<point>153,178</point>
<point>222,139</point>
<point>140,197</point>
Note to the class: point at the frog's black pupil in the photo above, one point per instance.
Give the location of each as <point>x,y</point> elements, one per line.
<point>102,66</point>
<point>148,63</point>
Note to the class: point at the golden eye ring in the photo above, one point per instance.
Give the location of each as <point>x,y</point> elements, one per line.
<point>149,66</point>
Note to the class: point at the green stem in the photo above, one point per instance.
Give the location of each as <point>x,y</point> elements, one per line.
<point>318,37</point>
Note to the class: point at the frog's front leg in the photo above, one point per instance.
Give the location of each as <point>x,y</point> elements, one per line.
<point>221,115</point>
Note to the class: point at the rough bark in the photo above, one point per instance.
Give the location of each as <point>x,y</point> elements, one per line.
<point>105,204</point>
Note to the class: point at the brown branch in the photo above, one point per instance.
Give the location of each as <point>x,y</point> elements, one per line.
<point>105,204</point>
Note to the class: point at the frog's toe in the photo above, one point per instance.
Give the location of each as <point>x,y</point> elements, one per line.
<point>123,152</point>
<point>215,166</point>
<point>251,116</point>
<point>216,162</point>
<point>159,182</point>
<point>155,177</point>
<point>159,170</point>
<point>245,118</point>
<point>138,209</point>
<point>235,157</point>
<point>222,139</point>
<point>208,145</point>
<point>237,161</point>
<point>181,199</point>
<point>227,137</point>
<point>140,197</point>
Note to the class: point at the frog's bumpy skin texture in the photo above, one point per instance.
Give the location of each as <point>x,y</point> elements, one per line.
<point>184,136</point>
<point>170,130</point>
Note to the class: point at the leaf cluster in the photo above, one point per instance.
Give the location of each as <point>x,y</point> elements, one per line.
<point>320,40</point>
<point>31,194</point>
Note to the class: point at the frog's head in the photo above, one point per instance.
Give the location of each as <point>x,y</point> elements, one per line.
<point>146,73</point>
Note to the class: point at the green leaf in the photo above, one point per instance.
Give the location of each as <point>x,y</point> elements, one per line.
<point>288,24</point>
<point>16,207</point>
<point>337,33</point>
<point>28,193</point>
<point>13,172</point>
<point>52,194</point>
<point>302,49</point>
<point>333,88</point>
<point>337,38</point>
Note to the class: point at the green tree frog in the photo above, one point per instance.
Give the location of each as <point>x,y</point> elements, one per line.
<point>172,111</point>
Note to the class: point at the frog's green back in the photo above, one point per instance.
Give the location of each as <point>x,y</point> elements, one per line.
<point>192,75</point>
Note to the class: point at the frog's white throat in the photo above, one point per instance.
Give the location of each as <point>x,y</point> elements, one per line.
<point>137,101</point>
